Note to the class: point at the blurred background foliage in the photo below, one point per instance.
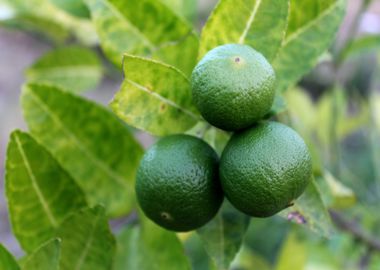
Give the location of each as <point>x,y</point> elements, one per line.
<point>336,108</point>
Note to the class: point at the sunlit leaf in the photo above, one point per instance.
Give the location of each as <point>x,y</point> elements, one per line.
<point>155,97</point>
<point>94,146</point>
<point>40,193</point>
<point>87,242</point>
<point>223,235</point>
<point>308,36</point>
<point>74,7</point>
<point>293,254</point>
<point>73,68</point>
<point>146,28</point>
<point>258,23</point>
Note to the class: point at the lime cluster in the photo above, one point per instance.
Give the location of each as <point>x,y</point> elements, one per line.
<point>264,167</point>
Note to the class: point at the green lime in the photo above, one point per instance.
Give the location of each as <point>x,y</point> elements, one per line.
<point>265,168</point>
<point>177,183</point>
<point>233,86</point>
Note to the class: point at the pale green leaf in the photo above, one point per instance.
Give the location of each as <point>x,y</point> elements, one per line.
<point>94,146</point>
<point>87,242</point>
<point>293,254</point>
<point>74,7</point>
<point>43,16</point>
<point>40,193</point>
<point>223,235</point>
<point>247,259</point>
<point>310,210</point>
<point>360,45</point>
<point>73,68</point>
<point>46,257</point>
<point>7,261</point>
<point>258,23</point>
<point>342,196</point>
<point>307,40</point>
<point>154,97</point>
<point>217,138</point>
<point>146,28</point>
<point>149,247</point>
<point>185,8</point>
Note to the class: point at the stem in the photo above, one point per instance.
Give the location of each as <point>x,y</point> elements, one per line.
<point>351,227</point>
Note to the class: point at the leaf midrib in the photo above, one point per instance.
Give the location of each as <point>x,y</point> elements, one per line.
<point>32,177</point>
<point>310,24</point>
<point>250,21</point>
<point>98,163</point>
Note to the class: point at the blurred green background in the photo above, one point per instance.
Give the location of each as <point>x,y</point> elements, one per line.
<point>336,108</point>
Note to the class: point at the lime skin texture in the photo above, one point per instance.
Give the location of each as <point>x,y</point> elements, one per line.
<point>177,183</point>
<point>233,86</point>
<point>265,168</point>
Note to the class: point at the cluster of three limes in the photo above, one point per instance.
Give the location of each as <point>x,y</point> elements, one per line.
<point>181,182</point>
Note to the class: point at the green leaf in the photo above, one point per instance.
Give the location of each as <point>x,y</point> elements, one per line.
<point>74,7</point>
<point>45,257</point>
<point>154,97</point>
<point>87,242</point>
<point>247,259</point>
<point>360,45</point>
<point>40,193</point>
<point>89,142</point>
<point>73,68</point>
<point>185,8</point>
<point>306,40</point>
<point>149,247</point>
<point>7,261</point>
<point>217,138</point>
<point>310,210</point>
<point>258,23</point>
<point>146,28</point>
<point>223,235</point>
<point>293,254</point>
<point>342,196</point>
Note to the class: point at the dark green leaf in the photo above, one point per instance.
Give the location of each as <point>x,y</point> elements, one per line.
<point>89,142</point>
<point>7,261</point>
<point>46,257</point>
<point>146,28</point>
<point>40,193</point>
<point>73,68</point>
<point>155,97</point>
<point>307,38</point>
<point>87,242</point>
<point>223,235</point>
<point>148,247</point>
<point>258,23</point>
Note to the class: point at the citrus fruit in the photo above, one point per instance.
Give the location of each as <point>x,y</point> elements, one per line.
<point>265,168</point>
<point>177,183</point>
<point>233,86</point>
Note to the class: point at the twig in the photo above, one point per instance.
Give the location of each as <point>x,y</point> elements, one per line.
<point>351,227</point>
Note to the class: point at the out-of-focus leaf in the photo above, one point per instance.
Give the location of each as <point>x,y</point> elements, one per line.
<point>87,242</point>
<point>293,254</point>
<point>155,97</point>
<point>310,210</point>
<point>246,259</point>
<point>74,7</point>
<point>94,146</point>
<point>148,247</point>
<point>217,138</point>
<point>146,28</point>
<point>197,254</point>
<point>308,36</point>
<point>40,193</point>
<point>279,105</point>
<point>7,261</point>
<point>73,68</point>
<point>223,235</point>
<point>258,23</point>
<point>46,257</point>
<point>360,45</point>
<point>44,17</point>
<point>186,8</point>
<point>342,196</point>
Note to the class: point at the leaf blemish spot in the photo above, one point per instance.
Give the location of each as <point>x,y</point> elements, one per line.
<point>297,217</point>
<point>237,59</point>
<point>162,107</point>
